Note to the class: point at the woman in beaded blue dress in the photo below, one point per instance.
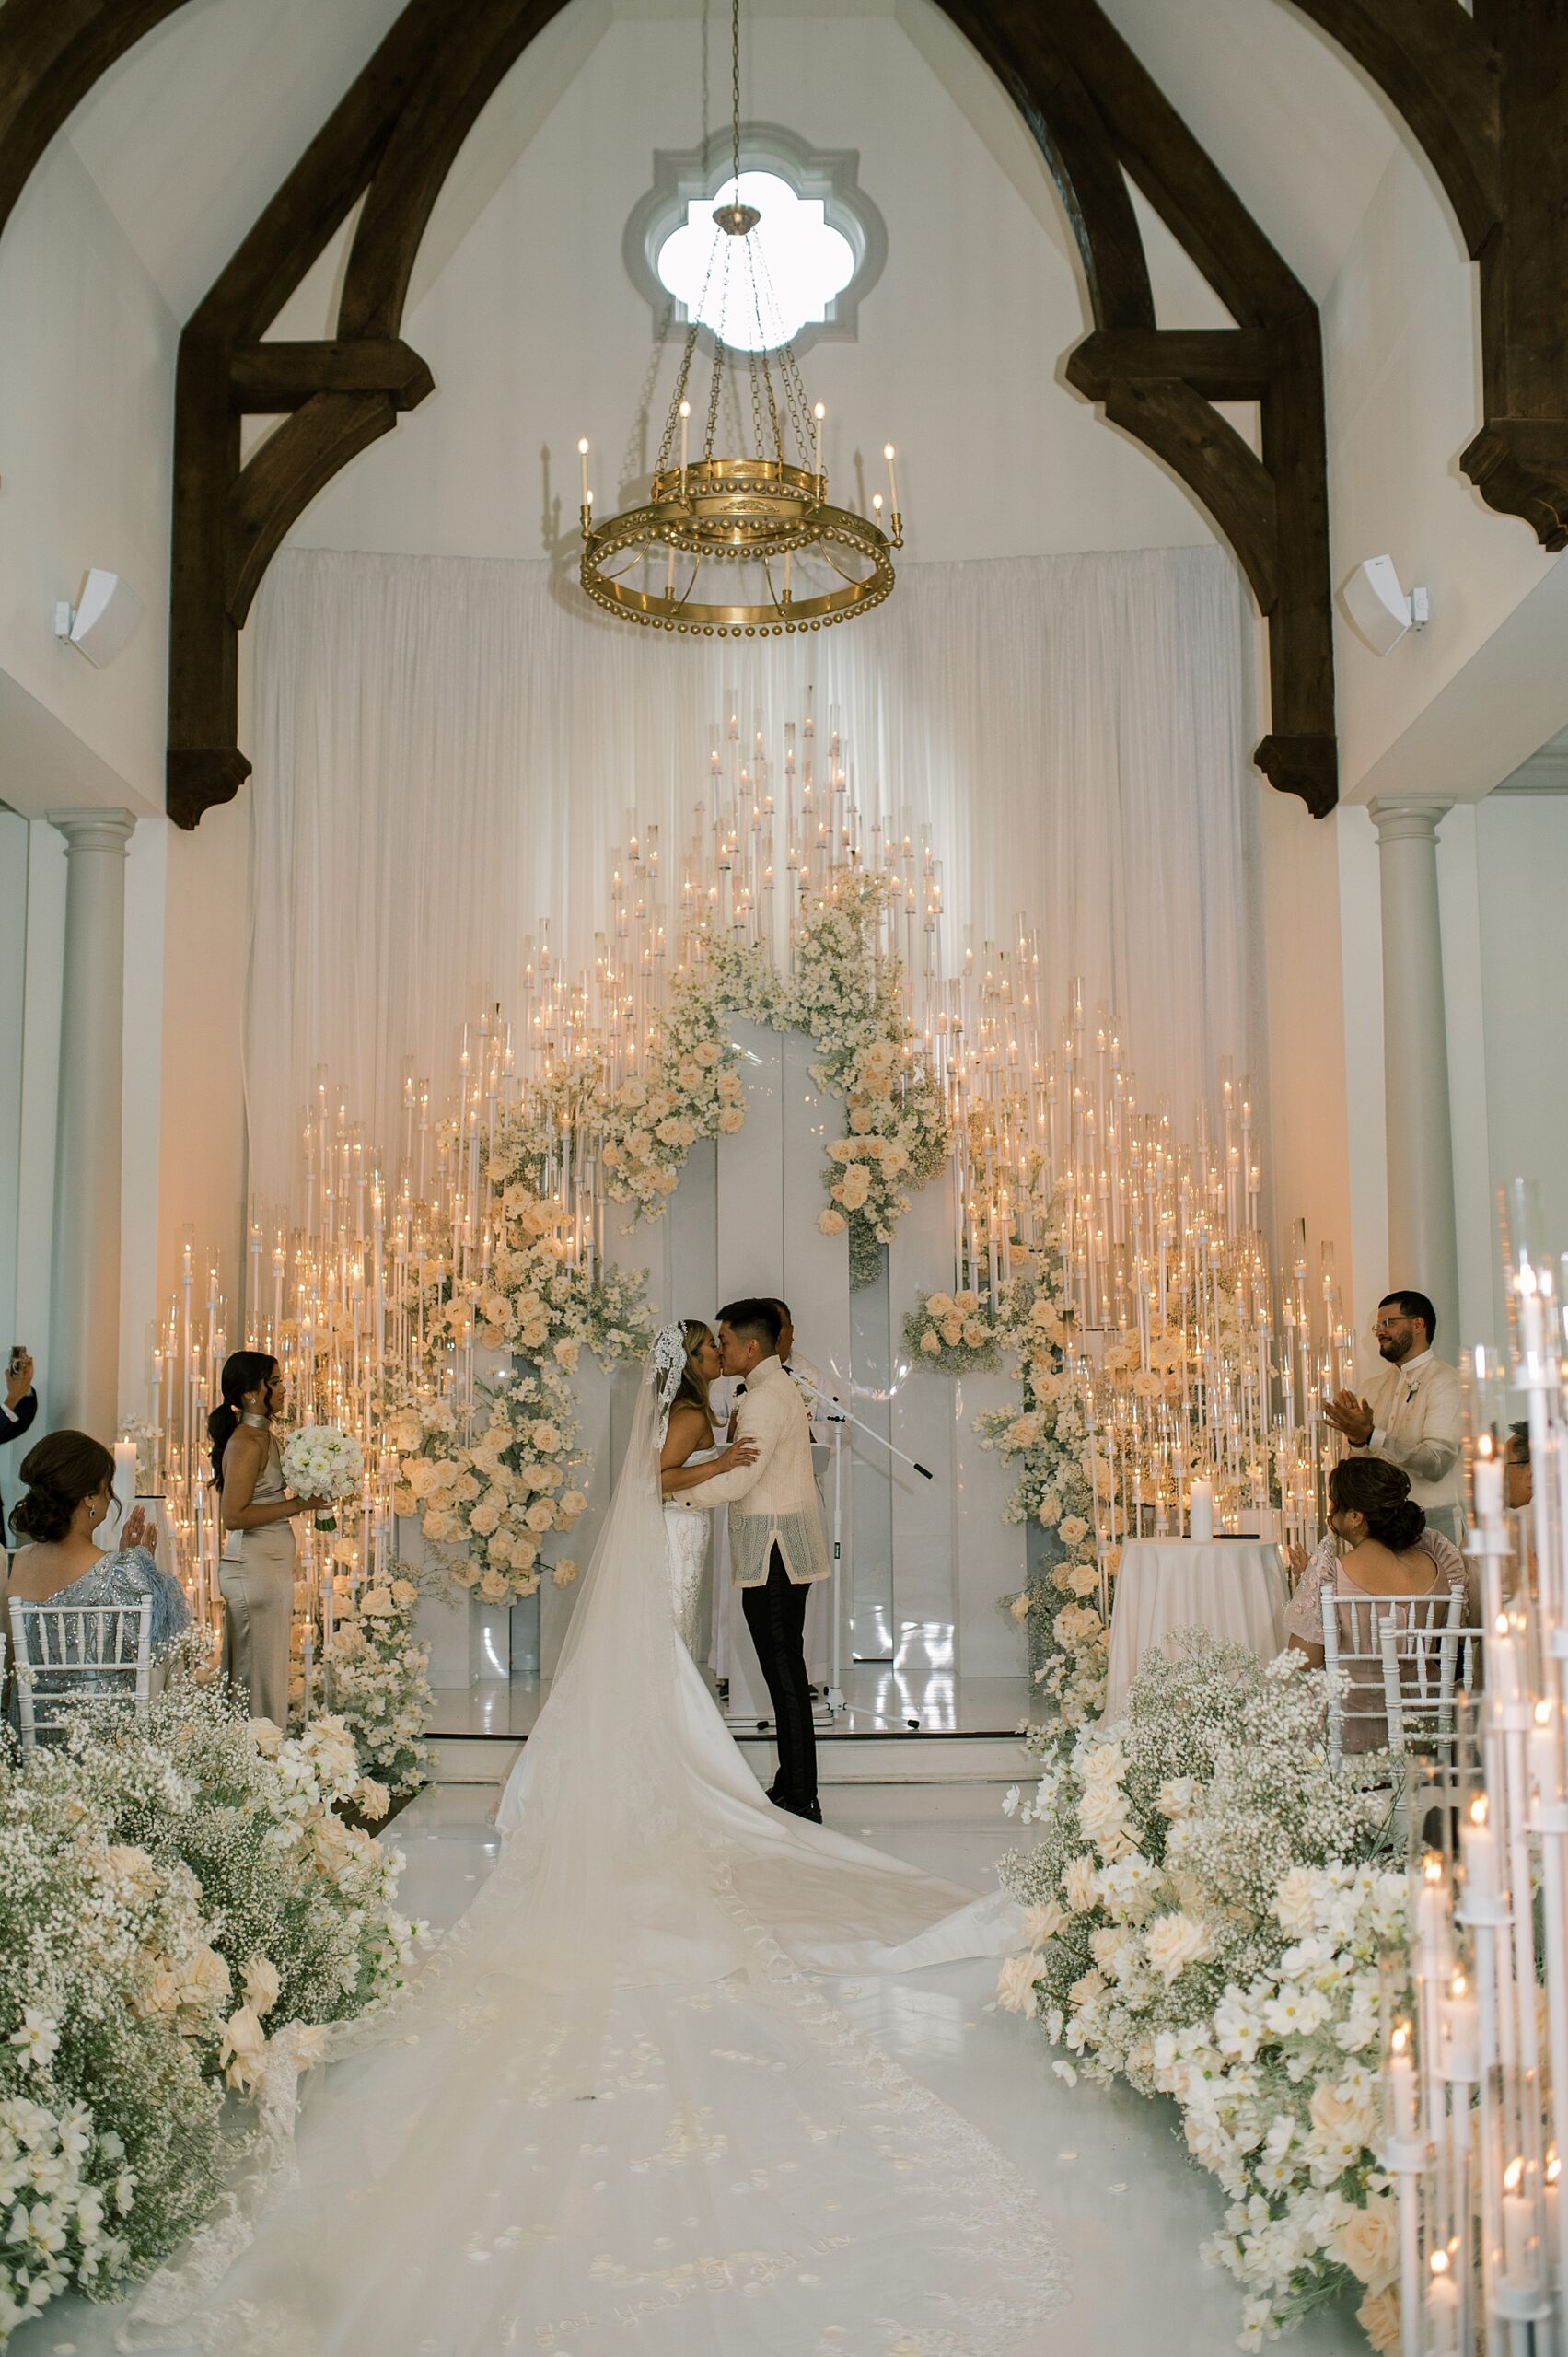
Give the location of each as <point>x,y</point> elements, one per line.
<point>70,1492</point>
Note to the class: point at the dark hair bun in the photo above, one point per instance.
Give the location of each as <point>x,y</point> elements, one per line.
<point>1380,1493</point>
<point>60,1472</point>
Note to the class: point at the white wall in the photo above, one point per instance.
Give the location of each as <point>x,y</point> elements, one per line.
<point>87,390</point>
<point>1402,366</point>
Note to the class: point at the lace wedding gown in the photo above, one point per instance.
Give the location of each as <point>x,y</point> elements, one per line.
<point>615,2113</point>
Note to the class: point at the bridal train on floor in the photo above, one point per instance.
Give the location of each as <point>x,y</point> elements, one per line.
<point>615,2110</point>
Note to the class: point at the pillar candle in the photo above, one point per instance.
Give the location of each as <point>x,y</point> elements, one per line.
<point>1201,1512</point>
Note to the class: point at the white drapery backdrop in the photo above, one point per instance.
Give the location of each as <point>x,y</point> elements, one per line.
<point>448,749</point>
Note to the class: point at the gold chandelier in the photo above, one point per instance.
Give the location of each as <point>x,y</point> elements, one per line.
<point>789,560</point>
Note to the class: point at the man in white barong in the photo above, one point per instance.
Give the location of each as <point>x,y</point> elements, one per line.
<point>1411,1413</point>
<point>777,1550</point>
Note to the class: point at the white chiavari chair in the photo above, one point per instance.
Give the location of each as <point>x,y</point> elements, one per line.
<point>63,1655</point>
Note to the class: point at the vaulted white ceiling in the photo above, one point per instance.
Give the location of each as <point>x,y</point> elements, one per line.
<point>192,132</point>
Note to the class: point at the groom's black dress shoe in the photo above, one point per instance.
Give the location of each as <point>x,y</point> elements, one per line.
<point>810,1810</point>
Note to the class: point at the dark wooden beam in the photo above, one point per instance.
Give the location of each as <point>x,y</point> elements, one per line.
<point>1160,385</point>
<point>392,139</point>
<point>52,51</point>
<point>264,377</point>
<point>1435,65</point>
<point>1013,37</point>
<point>1228,363</point>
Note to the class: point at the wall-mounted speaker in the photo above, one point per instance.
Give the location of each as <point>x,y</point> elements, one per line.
<point>102,619</point>
<point>1378,606</point>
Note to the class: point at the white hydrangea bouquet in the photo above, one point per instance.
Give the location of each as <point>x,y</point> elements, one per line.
<point>321,1461</point>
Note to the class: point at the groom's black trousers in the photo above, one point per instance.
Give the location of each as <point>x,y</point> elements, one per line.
<point>775,1614</point>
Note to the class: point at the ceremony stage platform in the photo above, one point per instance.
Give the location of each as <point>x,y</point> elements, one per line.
<point>897,1726</point>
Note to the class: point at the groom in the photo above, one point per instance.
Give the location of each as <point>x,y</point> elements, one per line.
<point>776,1547</point>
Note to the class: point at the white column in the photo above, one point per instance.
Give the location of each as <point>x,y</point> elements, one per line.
<point>1423,1245</point>
<point>84,1372</point>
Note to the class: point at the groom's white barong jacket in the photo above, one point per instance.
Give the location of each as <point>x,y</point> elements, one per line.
<point>772,1502</point>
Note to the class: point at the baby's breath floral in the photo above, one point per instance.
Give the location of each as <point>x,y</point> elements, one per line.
<point>1207,1919</point>
<point>174,1892</point>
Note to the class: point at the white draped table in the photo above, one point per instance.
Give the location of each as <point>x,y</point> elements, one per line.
<point>1233,1588</point>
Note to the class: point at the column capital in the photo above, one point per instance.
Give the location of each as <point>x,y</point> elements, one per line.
<point>1404,818</point>
<point>94,829</point>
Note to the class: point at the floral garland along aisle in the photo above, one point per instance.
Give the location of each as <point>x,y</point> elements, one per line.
<point>183,1910</point>
<point>1207,1918</point>
<point>1205,1915</point>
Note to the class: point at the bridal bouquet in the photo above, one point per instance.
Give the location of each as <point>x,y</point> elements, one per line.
<point>320,1461</point>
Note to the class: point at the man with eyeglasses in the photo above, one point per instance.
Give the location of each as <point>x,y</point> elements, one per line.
<point>1412,1411</point>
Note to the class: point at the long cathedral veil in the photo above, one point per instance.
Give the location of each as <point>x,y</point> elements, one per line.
<point>613,2110</point>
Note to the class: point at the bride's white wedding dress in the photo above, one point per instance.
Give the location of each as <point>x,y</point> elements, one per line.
<point>687,1532</point>
<point>615,2113</point>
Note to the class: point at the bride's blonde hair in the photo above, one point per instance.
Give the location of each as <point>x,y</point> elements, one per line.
<point>692,1389</point>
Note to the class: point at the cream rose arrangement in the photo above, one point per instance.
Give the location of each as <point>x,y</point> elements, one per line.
<point>490,1501</point>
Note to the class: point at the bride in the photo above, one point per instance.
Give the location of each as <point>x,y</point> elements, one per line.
<point>687,1457</point>
<point>615,2110</point>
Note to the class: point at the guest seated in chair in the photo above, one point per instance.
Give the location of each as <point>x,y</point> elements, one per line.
<point>1388,1550</point>
<point>70,1482</point>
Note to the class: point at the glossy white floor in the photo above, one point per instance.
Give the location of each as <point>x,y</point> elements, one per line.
<point>1128,2205</point>
<point>1128,2208</point>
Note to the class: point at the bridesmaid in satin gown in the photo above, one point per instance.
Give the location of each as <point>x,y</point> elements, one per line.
<point>256,1574</point>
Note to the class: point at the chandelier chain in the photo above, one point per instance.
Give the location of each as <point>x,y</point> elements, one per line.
<point>740,511</point>
<point>735,92</point>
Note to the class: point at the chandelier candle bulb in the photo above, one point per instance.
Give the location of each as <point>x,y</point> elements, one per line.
<point>892,477</point>
<point>819,412</point>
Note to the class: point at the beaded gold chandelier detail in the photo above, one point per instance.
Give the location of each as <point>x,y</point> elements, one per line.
<point>749,546</point>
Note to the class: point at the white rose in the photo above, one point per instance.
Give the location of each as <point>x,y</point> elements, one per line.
<point>1174,1798</point>
<point>1015,1990</point>
<point>1078,1884</point>
<point>1367,2242</point>
<point>1042,1923</point>
<point>566,1571</point>
<point>1176,1941</point>
<point>1296,1902</point>
<point>1102,1812</point>
<point>243,2046</point>
<point>261,1983</point>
